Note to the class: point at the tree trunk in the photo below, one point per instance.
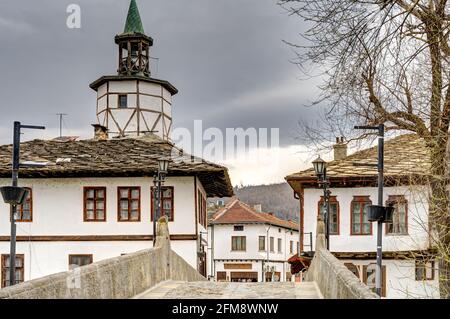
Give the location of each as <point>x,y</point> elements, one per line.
<point>439,221</point>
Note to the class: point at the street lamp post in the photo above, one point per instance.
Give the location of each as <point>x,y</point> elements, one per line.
<point>320,168</point>
<point>18,193</point>
<point>158,180</point>
<point>380,168</point>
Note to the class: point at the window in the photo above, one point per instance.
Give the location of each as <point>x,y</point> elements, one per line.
<point>359,216</point>
<point>167,202</point>
<point>95,204</point>
<point>262,243</point>
<point>272,244</point>
<point>238,243</point>
<point>279,245</point>
<point>79,260</point>
<point>353,268</point>
<point>298,248</point>
<point>201,207</point>
<point>122,101</point>
<point>238,228</point>
<point>24,212</point>
<point>399,223</point>
<point>424,270</point>
<point>369,278</point>
<point>129,204</point>
<point>203,212</point>
<point>19,270</point>
<point>291,247</point>
<point>334,214</point>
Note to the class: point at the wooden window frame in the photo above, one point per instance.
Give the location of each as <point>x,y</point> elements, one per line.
<point>264,241</point>
<point>95,188</point>
<point>422,264</point>
<point>202,208</point>
<point>245,243</point>
<point>90,256</point>
<point>152,195</point>
<point>5,268</point>
<point>119,199</point>
<point>291,246</point>
<point>397,199</point>
<point>383,278</point>
<point>360,199</point>
<point>333,200</point>
<point>279,245</point>
<point>199,206</point>
<point>19,209</point>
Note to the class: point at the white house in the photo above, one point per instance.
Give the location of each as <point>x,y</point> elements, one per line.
<point>409,269</point>
<point>94,198</point>
<point>245,243</point>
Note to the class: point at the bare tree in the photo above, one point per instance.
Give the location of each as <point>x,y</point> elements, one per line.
<point>387,61</point>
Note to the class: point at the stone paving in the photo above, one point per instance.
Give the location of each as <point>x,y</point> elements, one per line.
<point>231,290</point>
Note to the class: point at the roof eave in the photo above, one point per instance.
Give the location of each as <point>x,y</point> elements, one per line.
<point>166,84</point>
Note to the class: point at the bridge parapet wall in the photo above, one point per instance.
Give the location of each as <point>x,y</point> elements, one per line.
<point>334,280</point>
<point>116,278</point>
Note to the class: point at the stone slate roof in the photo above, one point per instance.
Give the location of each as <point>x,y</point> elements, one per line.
<point>237,212</point>
<point>125,157</point>
<point>134,23</point>
<point>405,157</point>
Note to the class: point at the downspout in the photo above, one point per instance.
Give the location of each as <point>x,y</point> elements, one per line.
<point>268,245</point>
<point>213,262</point>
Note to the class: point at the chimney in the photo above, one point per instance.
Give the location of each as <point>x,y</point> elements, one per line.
<point>340,149</point>
<point>100,132</point>
<point>258,208</point>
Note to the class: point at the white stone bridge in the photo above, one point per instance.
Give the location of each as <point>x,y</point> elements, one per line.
<point>160,273</point>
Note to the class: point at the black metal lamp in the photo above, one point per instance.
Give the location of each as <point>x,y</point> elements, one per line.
<point>163,165</point>
<point>13,195</point>
<point>380,213</point>
<point>319,166</point>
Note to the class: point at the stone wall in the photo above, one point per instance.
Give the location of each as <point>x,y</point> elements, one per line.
<point>334,280</point>
<point>116,278</point>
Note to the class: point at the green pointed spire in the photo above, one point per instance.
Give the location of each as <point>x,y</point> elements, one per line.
<point>134,23</point>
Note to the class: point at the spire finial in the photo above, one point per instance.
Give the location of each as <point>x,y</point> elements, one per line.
<point>134,23</point>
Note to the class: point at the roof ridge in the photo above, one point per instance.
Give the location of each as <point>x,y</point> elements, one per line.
<point>374,147</point>
<point>225,209</point>
<point>369,149</point>
<point>251,210</point>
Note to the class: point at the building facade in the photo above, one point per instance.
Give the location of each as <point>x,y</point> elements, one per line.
<point>409,268</point>
<point>94,199</point>
<point>246,245</point>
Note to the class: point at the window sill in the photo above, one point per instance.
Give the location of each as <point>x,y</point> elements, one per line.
<point>397,234</point>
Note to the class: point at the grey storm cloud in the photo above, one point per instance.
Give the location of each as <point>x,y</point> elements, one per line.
<point>226,57</point>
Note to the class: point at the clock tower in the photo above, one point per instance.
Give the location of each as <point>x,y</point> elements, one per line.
<point>132,103</point>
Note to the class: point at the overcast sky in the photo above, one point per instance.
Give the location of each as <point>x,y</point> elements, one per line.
<point>226,57</point>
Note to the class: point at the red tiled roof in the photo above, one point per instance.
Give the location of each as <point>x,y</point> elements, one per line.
<point>237,212</point>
